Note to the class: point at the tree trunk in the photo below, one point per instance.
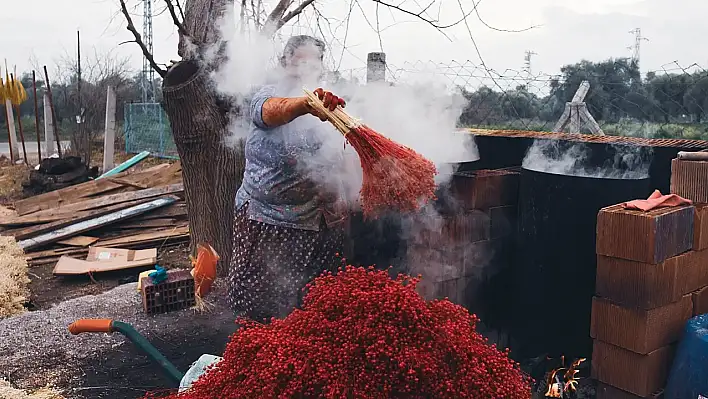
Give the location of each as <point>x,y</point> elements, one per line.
<point>211,171</point>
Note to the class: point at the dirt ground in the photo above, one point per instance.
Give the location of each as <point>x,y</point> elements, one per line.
<point>37,349</point>
<point>48,290</point>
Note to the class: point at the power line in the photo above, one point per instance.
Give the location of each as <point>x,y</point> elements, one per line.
<point>527,64</point>
<point>638,38</point>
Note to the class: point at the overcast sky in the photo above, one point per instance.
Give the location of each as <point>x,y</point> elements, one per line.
<point>568,31</point>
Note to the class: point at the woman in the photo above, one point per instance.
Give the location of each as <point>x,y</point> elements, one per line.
<point>287,229</point>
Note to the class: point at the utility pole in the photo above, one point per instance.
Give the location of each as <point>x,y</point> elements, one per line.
<point>82,134</point>
<point>148,78</point>
<point>527,66</point>
<point>638,38</point>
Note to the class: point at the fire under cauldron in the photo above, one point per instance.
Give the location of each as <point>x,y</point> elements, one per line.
<point>554,278</point>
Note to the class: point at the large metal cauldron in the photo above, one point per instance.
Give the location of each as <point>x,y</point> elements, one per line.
<point>556,260</point>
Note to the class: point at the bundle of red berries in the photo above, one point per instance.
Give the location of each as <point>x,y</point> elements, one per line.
<point>361,334</point>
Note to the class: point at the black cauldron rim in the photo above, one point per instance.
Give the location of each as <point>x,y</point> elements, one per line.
<point>588,176</point>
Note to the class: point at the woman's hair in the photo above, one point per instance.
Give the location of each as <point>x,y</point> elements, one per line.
<point>299,41</point>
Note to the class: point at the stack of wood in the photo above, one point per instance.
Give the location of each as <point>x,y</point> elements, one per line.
<point>128,210</point>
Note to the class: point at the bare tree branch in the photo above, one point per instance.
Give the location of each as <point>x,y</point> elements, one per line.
<point>277,14</point>
<point>179,7</point>
<point>139,40</point>
<point>294,13</point>
<point>420,16</point>
<point>175,19</point>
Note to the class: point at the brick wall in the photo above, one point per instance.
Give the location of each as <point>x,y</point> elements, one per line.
<point>461,251</point>
<point>652,277</point>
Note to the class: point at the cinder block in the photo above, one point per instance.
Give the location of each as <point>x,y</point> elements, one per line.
<point>485,189</point>
<point>649,237</point>
<point>688,180</point>
<point>640,331</point>
<point>604,391</point>
<point>176,293</point>
<point>648,286</point>
<point>700,227</point>
<point>700,301</point>
<point>641,375</point>
<point>503,221</point>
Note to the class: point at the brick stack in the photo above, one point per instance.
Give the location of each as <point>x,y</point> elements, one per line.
<point>647,272</point>
<point>459,252</point>
<point>689,180</point>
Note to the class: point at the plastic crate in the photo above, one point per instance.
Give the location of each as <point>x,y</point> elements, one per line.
<point>176,293</point>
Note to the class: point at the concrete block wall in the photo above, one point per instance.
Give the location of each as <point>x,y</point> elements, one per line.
<point>652,277</point>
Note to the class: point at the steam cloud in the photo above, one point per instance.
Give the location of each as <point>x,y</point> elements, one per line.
<point>553,156</point>
<point>422,116</point>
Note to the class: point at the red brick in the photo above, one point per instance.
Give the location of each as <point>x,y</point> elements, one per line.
<point>649,237</point>
<point>648,286</point>
<point>469,226</point>
<point>485,189</point>
<point>700,301</point>
<point>604,391</point>
<point>641,375</point>
<point>641,331</point>
<point>700,228</point>
<point>688,179</point>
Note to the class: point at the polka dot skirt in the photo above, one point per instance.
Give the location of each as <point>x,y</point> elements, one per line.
<point>272,264</point>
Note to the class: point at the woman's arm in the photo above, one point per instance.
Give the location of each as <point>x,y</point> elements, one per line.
<point>268,112</point>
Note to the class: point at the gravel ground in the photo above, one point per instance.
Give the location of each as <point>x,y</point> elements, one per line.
<point>36,349</point>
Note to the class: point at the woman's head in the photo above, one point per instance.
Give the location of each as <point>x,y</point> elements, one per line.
<point>302,57</point>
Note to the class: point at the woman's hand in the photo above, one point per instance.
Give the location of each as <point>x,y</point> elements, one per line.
<point>329,100</point>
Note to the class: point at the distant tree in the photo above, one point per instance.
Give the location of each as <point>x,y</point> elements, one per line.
<point>98,71</point>
<point>483,107</point>
<point>611,83</point>
<point>695,99</point>
<point>668,92</point>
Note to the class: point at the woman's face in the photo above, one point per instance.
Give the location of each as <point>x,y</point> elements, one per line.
<point>305,62</point>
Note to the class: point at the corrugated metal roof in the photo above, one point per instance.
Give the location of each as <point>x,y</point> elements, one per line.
<point>588,138</point>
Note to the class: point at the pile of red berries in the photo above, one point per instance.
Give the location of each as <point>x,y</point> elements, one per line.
<point>361,334</point>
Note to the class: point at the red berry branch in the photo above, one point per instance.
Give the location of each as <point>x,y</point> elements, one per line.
<point>395,177</point>
<point>361,334</point>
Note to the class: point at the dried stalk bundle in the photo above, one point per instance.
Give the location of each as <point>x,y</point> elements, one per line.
<point>395,177</point>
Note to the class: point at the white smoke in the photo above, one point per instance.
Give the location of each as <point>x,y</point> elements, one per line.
<point>421,116</point>
<point>553,156</point>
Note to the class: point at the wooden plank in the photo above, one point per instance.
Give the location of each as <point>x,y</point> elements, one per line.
<point>51,215</point>
<point>54,253</point>
<point>79,241</point>
<point>177,210</point>
<point>145,224</point>
<point>145,237</point>
<point>27,232</point>
<point>64,196</point>
<point>91,224</point>
<point>56,198</point>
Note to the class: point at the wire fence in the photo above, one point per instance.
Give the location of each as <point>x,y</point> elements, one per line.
<point>666,103</point>
<point>147,129</point>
